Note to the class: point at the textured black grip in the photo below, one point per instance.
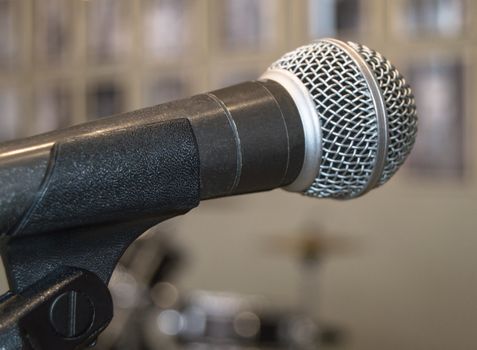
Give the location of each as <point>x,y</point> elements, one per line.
<point>115,176</point>
<point>155,161</point>
<point>21,177</point>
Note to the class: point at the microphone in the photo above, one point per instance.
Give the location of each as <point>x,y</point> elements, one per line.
<point>329,120</point>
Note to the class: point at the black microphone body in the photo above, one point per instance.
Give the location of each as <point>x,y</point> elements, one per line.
<point>153,162</point>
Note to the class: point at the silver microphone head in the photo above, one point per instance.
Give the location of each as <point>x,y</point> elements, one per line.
<point>358,113</point>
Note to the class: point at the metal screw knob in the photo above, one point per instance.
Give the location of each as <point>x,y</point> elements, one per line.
<point>71,314</point>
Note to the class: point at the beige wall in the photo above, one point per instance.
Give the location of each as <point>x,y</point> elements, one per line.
<point>410,283</point>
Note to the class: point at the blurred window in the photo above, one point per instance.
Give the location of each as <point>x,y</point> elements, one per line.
<point>109,30</point>
<point>167,27</point>
<point>444,18</point>
<point>334,17</point>
<point>438,85</point>
<point>53,30</point>
<point>104,99</point>
<point>53,108</point>
<point>247,24</point>
<point>8,33</point>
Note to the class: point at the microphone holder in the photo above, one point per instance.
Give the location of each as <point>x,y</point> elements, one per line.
<point>58,296</point>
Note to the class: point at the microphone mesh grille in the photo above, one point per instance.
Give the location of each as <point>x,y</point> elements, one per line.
<point>400,107</point>
<point>349,123</point>
<point>347,117</point>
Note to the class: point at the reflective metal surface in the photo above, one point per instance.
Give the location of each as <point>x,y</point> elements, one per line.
<point>358,96</point>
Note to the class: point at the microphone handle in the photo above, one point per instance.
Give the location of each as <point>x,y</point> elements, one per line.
<point>157,161</point>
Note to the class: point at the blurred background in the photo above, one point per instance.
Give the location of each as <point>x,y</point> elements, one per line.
<point>396,269</point>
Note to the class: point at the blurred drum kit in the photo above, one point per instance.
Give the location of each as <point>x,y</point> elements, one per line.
<point>151,313</point>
